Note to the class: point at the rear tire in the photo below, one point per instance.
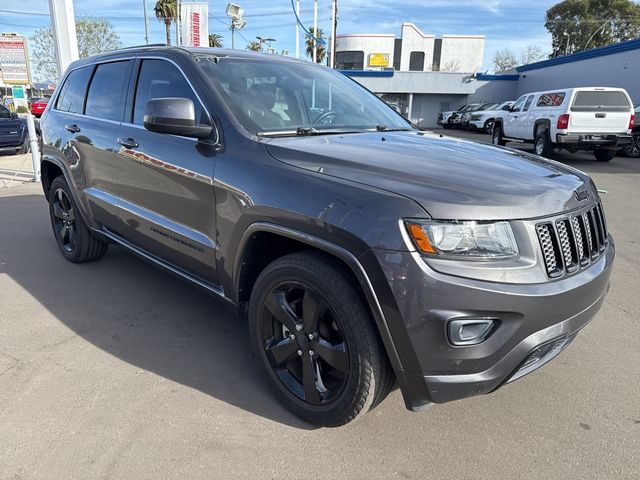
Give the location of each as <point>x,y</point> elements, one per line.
<point>633,149</point>
<point>76,242</point>
<point>316,340</point>
<point>498,135</point>
<point>25,148</point>
<point>542,145</point>
<point>604,155</point>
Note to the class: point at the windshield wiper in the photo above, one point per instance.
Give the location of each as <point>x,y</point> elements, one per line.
<point>306,132</point>
<point>384,128</point>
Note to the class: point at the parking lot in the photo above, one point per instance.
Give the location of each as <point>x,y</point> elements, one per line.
<point>116,369</point>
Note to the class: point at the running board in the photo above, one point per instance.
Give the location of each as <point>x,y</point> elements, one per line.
<point>516,140</point>
<point>162,264</point>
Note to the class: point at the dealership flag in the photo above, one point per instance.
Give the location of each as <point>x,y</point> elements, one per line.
<point>194,24</point>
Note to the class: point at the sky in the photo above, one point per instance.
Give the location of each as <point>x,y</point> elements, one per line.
<point>504,23</point>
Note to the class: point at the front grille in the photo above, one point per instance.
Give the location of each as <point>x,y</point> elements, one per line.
<point>572,242</point>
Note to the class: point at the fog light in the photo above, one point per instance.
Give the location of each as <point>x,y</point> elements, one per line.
<point>470,331</point>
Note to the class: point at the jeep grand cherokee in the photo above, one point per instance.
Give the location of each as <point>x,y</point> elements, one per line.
<point>364,253</point>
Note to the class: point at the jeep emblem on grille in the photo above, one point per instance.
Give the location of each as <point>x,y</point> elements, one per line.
<point>581,195</point>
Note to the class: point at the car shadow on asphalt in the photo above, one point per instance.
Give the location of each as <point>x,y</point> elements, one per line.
<point>138,313</point>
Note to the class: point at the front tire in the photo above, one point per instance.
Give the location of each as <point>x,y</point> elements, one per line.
<point>76,242</point>
<point>488,126</point>
<point>604,154</point>
<point>316,340</point>
<point>498,135</point>
<point>542,145</point>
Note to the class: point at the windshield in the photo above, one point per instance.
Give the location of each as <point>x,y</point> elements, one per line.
<point>289,98</point>
<point>488,106</point>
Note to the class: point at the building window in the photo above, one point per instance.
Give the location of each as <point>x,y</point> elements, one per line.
<point>350,60</point>
<point>416,62</point>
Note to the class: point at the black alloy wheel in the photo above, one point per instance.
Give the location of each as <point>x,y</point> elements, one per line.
<point>304,343</point>
<point>76,242</point>
<point>315,337</point>
<point>64,220</point>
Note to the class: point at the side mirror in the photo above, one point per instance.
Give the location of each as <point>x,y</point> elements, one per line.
<point>176,116</point>
<point>14,115</point>
<point>507,108</point>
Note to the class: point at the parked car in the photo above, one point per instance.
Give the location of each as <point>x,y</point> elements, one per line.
<point>596,119</point>
<point>364,253</point>
<point>455,119</point>
<point>38,107</point>
<point>443,117</point>
<point>633,149</point>
<point>14,137</point>
<point>464,120</point>
<point>483,119</point>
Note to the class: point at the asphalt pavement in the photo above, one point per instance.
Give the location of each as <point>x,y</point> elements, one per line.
<point>116,369</point>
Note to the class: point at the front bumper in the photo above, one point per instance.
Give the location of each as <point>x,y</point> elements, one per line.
<point>529,315</point>
<point>593,139</point>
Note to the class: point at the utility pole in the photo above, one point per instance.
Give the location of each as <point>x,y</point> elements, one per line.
<point>334,24</point>
<point>63,24</point>
<point>146,22</point>
<point>178,3</point>
<point>315,30</point>
<point>297,29</point>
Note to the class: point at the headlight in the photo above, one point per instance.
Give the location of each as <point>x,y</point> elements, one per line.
<point>463,240</point>
<point>476,117</point>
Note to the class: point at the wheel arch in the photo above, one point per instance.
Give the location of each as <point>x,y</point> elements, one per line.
<point>253,257</point>
<point>542,122</point>
<point>49,170</point>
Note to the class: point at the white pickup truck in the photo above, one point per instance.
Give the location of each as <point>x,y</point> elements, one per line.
<point>593,118</point>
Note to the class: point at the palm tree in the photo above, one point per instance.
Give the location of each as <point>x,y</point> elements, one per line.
<point>321,52</point>
<point>254,46</point>
<point>215,40</point>
<point>166,12</point>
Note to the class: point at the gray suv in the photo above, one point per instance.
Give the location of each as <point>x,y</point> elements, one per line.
<point>363,253</point>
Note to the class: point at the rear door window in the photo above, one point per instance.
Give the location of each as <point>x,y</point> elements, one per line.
<point>589,101</point>
<point>528,103</point>
<point>553,99</point>
<point>71,98</point>
<point>107,90</point>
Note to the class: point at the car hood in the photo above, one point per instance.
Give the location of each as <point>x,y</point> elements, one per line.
<point>450,178</point>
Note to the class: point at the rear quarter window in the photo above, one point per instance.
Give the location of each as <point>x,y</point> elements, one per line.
<point>588,101</point>
<point>71,98</point>
<point>554,99</point>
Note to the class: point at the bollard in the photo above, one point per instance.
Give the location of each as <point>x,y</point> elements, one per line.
<point>35,148</point>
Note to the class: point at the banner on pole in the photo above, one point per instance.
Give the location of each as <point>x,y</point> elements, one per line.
<point>194,24</point>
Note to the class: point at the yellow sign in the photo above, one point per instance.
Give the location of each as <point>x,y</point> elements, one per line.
<point>379,60</point>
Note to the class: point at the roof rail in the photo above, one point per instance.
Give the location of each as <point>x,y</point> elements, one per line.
<point>145,45</point>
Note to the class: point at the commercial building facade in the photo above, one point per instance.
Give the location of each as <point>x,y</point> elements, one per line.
<point>420,95</point>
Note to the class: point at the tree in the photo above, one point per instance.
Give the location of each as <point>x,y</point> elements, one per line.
<point>215,40</point>
<point>532,53</point>
<point>95,35</point>
<point>577,25</point>
<point>254,46</point>
<point>451,66</point>
<point>504,60</point>
<point>321,51</point>
<point>166,12</point>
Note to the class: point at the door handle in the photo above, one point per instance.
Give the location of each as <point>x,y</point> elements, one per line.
<point>128,142</point>
<point>72,128</point>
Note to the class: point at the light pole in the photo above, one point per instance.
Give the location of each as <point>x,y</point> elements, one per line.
<point>63,24</point>
<point>146,22</point>
<point>315,30</point>
<point>235,13</point>
<point>599,28</point>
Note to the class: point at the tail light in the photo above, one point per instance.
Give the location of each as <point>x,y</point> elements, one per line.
<point>631,121</point>
<point>563,122</point>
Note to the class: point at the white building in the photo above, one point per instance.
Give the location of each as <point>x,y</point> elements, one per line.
<point>414,51</point>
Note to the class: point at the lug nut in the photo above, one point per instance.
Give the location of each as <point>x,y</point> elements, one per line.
<point>311,353</point>
<point>311,336</point>
<point>292,336</point>
<point>299,327</point>
<point>299,353</point>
